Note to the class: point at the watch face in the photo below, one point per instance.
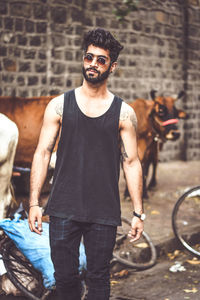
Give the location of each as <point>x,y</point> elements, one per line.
<point>143,217</point>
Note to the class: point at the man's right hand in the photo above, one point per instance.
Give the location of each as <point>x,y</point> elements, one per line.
<point>35,215</point>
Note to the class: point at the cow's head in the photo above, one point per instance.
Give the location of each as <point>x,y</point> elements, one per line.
<point>165,116</point>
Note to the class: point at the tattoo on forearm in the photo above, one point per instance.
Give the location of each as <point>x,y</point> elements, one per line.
<point>133,119</point>
<point>59,108</point>
<point>123,151</point>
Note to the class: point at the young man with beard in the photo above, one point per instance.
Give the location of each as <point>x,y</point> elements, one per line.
<point>84,200</point>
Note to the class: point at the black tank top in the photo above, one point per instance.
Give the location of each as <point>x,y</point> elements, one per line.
<point>85,184</point>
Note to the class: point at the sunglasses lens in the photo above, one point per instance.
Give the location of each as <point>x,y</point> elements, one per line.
<point>101,61</point>
<point>88,58</point>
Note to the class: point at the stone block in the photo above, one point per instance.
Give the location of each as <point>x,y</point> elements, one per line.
<point>20,81</point>
<point>23,93</point>
<point>8,23</point>
<point>40,11</point>
<point>168,31</point>
<point>79,30</point>
<point>32,80</point>
<point>3,8</point>
<point>137,25</point>
<point>42,54</point>
<point>21,9</point>
<point>14,51</point>
<point>35,41</point>
<point>58,40</point>
<point>8,78</point>
<point>24,67</point>
<point>3,51</point>
<point>9,91</point>
<point>57,81</point>
<point>101,22</point>
<point>59,14</point>
<point>79,55</point>
<point>69,55</point>
<point>44,80</point>
<point>22,40</point>
<point>40,67</point>
<point>58,68</point>
<point>29,54</point>
<point>29,26</point>
<point>76,14</point>
<point>114,24</point>
<point>68,83</point>
<point>88,21</point>
<point>9,65</point>
<point>41,27</point>
<point>160,17</point>
<point>8,37</point>
<point>56,91</point>
<point>19,24</point>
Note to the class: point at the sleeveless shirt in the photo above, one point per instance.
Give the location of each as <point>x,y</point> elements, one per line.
<point>85,184</point>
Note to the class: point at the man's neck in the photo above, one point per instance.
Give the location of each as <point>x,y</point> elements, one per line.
<point>95,91</point>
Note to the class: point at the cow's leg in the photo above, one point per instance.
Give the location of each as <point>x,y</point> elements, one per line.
<point>145,173</point>
<point>154,162</point>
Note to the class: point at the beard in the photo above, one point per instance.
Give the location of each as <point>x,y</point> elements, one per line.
<point>95,80</point>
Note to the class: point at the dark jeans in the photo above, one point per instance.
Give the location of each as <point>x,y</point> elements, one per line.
<point>99,241</point>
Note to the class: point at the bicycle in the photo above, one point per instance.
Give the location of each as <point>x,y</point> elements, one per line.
<point>139,255</point>
<point>22,274</point>
<point>186,220</point>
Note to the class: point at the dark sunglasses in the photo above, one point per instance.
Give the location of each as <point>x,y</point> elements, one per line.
<point>101,61</point>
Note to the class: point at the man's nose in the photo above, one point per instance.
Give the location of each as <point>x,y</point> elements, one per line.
<point>94,62</point>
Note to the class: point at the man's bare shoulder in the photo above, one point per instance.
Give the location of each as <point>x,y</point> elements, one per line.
<point>127,115</point>
<point>57,104</point>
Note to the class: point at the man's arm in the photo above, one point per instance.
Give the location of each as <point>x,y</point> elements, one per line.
<point>48,135</point>
<point>131,166</point>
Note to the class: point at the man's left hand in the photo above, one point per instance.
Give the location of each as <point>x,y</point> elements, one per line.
<point>137,227</point>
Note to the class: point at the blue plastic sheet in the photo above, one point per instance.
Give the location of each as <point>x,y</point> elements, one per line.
<point>36,247</point>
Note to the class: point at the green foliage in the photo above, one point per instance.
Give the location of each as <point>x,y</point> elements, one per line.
<point>124,8</point>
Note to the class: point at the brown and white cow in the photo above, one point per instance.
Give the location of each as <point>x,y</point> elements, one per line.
<point>157,123</point>
<point>8,144</point>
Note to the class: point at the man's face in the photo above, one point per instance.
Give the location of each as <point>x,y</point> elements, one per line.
<point>96,65</point>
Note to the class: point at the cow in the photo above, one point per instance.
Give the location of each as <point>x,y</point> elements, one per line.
<point>8,144</point>
<point>157,123</point>
<point>27,113</point>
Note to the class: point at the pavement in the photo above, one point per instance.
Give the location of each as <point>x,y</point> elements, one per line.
<point>173,179</point>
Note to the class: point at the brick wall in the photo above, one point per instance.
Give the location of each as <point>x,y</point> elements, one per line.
<point>40,53</point>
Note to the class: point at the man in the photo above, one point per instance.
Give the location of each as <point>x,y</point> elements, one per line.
<point>84,199</point>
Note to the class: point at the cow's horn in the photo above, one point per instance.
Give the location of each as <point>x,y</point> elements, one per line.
<point>153,94</point>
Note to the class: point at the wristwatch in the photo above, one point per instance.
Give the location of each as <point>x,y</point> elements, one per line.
<point>141,217</point>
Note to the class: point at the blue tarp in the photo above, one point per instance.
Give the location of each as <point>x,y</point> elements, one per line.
<point>36,247</point>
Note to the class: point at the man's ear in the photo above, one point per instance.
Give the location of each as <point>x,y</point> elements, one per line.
<point>113,67</point>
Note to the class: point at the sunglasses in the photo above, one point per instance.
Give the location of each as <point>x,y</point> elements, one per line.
<point>101,61</point>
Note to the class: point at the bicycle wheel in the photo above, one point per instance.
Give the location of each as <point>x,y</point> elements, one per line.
<point>21,273</point>
<point>186,220</point>
<point>139,255</point>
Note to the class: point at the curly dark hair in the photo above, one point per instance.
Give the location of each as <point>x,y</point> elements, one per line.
<point>103,39</point>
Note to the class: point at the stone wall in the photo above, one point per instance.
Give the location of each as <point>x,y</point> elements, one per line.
<point>40,53</point>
